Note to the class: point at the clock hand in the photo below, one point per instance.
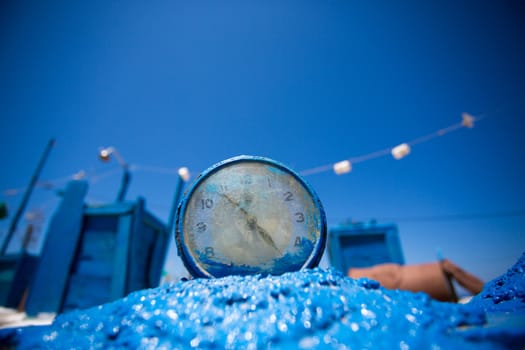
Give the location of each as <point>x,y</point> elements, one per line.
<point>267,238</point>
<point>252,223</point>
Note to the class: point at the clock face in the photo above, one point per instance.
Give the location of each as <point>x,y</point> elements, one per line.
<point>250,215</point>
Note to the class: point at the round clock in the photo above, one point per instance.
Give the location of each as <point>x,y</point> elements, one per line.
<point>249,215</point>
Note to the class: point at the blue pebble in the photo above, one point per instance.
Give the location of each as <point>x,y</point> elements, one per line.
<point>308,309</point>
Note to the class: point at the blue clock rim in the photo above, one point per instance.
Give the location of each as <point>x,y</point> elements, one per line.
<point>192,265</point>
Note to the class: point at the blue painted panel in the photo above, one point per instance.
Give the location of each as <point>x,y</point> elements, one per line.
<point>96,254</point>
<point>7,275</point>
<point>85,291</point>
<point>147,250</point>
<point>114,209</point>
<point>94,269</point>
<point>16,272</point>
<point>353,247</point>
<point>120,263</point>
<point>364,245</point>
<point>140,241</point>
<point>158,257</point>
<point>100,222</point>
<point>53,270</point>
<point>159,248</point>
<point>122,249</point>
<point>97,251</point>
<point>119,248</point>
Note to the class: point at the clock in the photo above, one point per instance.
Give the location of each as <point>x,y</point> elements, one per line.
<point>249,215</point>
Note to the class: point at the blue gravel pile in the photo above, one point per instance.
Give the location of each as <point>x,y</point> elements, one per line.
<point>505,293</point>
<point>306,309</point>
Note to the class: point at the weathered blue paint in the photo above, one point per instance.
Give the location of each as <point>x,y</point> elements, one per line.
<point>364,245</point>
<point>118,208</point>
<point>94,255</point>
<point>301,310</point>
<point>122,250</point>
<point>147,250</point>
<point>288,262</point>
<point>159,237</point>
<point>120,264</point>
<point>52,273</point>
<point>16,272</point>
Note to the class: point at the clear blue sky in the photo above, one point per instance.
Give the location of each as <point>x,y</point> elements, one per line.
<point>308,83</point>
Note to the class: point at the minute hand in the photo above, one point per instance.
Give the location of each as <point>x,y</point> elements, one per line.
<point>252,223</point>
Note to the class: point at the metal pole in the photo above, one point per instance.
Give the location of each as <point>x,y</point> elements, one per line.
<point>183,176</point>
<point>25,199</point>
<point>124,184</point>
<point>104,155</point>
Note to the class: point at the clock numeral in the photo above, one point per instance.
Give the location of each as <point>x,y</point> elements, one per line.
<point>299,217</point>
<point>201,227</point>
<point>269,182</point>
<point>297,242</point>
<point>288,196</point>
<point>246,179</point>
<point>206,203</point>
<point>209,252</point>
<point>247,199</point>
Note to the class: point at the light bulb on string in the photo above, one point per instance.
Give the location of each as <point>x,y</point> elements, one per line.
<point>342,167</point>
<point>400,151</point>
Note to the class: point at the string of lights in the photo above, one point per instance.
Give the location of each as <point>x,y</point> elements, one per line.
<point>398,152</point>
<point>341,167</point>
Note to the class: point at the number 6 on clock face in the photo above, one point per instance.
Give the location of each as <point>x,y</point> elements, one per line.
<point>249,215</point>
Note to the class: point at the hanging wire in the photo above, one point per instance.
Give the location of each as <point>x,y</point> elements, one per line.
<point>156,169</point>
<point>98,177</point>
<point>58,183</point>
<point>516,213</point>
<point>467,122</point>
<point>398,152</point>
<point>340,167</point>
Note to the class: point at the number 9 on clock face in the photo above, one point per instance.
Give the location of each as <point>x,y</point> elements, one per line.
<point>249,215</point>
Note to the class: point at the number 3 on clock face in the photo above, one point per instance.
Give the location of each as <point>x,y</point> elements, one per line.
<point>249,215</point>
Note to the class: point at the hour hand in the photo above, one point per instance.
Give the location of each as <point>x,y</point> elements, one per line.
<point>252,224</point>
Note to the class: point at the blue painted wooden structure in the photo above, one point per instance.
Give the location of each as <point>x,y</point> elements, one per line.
<point>364,245</point>
<point>51,276</point>
<point>16,271</point>
<point>94,255</point>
